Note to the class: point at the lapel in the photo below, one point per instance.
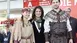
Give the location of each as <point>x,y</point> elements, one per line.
<point>36,28</point>
<point>70,20</point>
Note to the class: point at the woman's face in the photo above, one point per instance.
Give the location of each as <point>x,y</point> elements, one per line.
<point>26,14</point>
<point>55,4</point>
<point>38,12</point>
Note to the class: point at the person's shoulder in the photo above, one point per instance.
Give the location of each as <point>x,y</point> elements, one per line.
<point>48,14</point>
<point>62,12</point>
<point>50,11</point>
<point>73,18</point>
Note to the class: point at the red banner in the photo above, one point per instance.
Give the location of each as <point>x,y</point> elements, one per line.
<point>32,3</point>
<point>44,2</point>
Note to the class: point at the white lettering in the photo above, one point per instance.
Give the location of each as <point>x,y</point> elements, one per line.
<point>29,4</point>
<point>75,2</point>
<point>65,3</point>
<point>68,3</point>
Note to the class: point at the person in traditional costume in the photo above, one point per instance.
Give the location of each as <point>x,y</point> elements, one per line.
<point>57,25</point>
<point>73,23</point>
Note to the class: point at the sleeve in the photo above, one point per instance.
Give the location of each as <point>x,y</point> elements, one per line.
<point>46,26</point>
<point>46,30</point>
<point>17,31</point>
<point>68,25</point>
<point>69,29</point>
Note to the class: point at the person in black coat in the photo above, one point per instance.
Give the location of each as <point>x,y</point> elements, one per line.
<point>73,23</point>
<point>8,34</point>
<point>1,38</point>
<point>38,24</point>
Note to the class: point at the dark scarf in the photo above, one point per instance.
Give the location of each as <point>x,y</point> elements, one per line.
<point>38,22</point>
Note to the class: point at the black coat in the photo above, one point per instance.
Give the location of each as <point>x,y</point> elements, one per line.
<point>73,22</point>
<point>1,38</point>
<point>7,37</point>
<point>39,36</point>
